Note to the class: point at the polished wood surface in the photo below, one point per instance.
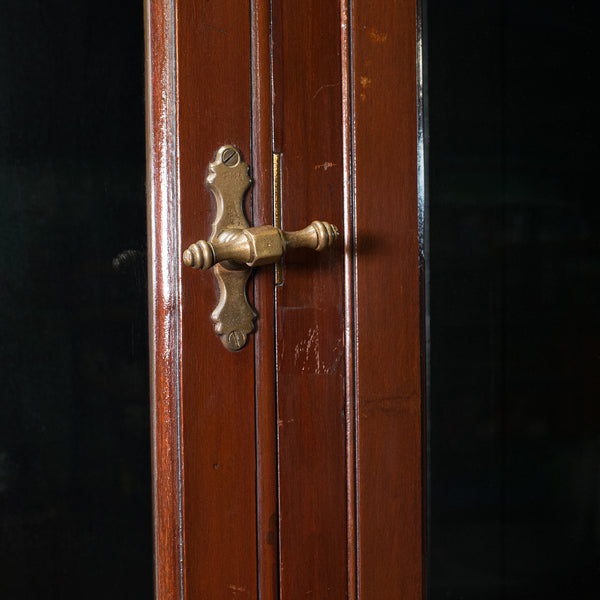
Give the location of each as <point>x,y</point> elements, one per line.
<point>264,298</point>
<point>301,455</point>
<point>217,387</point>
<point>163,287</point>
<point>349,237</point>
<point>389,407</point>
<point>310,304</point>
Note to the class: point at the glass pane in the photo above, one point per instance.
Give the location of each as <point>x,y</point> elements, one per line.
<point>514,300</point>
<point>75,494</point>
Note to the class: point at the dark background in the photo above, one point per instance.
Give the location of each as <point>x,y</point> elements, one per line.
<point>75,494</point>
<point>514,300</point>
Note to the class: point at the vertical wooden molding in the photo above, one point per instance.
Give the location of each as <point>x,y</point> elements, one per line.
<point>163,291</point>
<point>389,405</point>
<point>350,289</point>
<point>267,516</point>
<point>311,313</point>
<point>218,413</point>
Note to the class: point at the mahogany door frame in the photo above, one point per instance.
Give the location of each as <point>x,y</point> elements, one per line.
<point>163,292</point>
<point>382,150</point>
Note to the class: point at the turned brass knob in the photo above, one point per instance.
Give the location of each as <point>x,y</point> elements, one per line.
<point>255,246</point>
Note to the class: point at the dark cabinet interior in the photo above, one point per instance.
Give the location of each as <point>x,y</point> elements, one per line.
<point>75,507</point>
<point>514,268</point>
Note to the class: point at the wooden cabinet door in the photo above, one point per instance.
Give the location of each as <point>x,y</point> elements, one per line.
<point>291,469</point>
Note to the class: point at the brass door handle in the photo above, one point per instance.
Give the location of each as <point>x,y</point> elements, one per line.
<point>234,247</point>
<point>257,246</point>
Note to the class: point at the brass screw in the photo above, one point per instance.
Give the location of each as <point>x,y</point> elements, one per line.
<point>230,157</point>
<point>236,339</point>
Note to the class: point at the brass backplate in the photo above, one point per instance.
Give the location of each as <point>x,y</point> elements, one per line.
<point>234,247</point>
<point>228,180</point>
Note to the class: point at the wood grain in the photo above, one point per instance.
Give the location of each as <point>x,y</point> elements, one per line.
<point>349,292</point>
<point>387,222</point>
<point>217,387</point>
<point>310,304</point>
<point>264,299</point>
<point>163,286</point>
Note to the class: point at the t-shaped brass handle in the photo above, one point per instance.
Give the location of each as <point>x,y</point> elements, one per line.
<point>234,247</point>
<point>257,246</point>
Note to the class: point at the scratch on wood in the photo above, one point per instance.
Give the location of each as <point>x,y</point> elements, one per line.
<point>325,166</point>
<point>236,588</point>
<point>365,82</point>
<point>307,355</point>
<point>307,351</point>
<point>376,36</point>
<point>328,85</point>
<point>210,28</point>
<point>398,406</point>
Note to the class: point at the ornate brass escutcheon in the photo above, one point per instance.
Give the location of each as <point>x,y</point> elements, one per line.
<point>234,247</point>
